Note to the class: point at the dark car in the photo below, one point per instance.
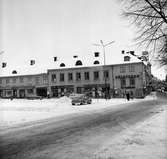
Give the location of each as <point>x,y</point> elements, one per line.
<point>81,99</point>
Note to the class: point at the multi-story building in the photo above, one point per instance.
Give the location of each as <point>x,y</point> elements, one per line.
<point>24,85</point>
<point>98,80</point>
<point>111,80</point>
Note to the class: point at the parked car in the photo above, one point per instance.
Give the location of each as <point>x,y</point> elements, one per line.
<point>81,99</point>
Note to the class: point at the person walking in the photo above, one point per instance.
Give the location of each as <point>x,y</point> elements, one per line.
<point>128,96</point>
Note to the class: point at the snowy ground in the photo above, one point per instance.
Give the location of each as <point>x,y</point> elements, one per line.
<point>19,111</point>
<point>146,140</point>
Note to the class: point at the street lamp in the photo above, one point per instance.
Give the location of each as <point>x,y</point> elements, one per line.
<point>104,58</point>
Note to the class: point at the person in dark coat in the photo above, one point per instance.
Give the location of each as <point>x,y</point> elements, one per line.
<point>127,96</point>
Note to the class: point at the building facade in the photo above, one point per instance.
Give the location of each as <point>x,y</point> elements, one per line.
<point>110,80</point>
<point>98,81</point>
<point>23,86</point>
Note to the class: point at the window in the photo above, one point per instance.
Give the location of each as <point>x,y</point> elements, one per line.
<point>30,91</point>
<point>78,63</point>
<point>7,81</point>
<point>29,79</point>
<point>70,76</point>
<point>37,80</point>
<point>45,80</point>
<point>96,75</point>
<point>53,78</point>
<point>131,68</point>
<point>21,80</point>
<point>62,65</point>
<point>106,74</point>
<point>123,82</point>
<point>126,58</point>
<point>96,62</point>
<point>78,76</point>
<point>86,74</point>
<point>14,80</point>
<point>122,69</point>
<point>61,77</point>
<point>132,81</point>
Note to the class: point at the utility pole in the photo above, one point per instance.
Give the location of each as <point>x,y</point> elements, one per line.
<point>104,62</point>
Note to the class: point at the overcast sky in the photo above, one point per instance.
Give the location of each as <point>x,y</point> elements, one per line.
<point>42,29</point>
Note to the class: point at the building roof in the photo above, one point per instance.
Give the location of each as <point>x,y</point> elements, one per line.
<point>38,68</point>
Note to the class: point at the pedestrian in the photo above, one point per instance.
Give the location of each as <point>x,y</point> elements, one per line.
<point>48,94</point>
<point>127,96</point>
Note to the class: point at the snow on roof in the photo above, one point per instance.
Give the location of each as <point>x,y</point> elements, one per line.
<point>38,68</point>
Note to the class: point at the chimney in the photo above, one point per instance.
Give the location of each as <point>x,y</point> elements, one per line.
<point>96,54</point>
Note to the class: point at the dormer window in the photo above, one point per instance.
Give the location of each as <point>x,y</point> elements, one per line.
<point>62,65</point>
<point>126,58</point>
<point>79,62</point>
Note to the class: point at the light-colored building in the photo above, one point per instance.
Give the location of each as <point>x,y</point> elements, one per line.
<point>24,85</point>
<point>111,80</point>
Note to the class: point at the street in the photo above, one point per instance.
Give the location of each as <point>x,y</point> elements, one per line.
<point>74,136</point>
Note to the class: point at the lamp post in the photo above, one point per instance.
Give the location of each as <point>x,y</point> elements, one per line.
<point>104,62</point>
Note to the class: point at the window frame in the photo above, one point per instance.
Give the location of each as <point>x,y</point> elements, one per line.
<point>62,77</point>
<point>96,75</point>
<point>87,75</point>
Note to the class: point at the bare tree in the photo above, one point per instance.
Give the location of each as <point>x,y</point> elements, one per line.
<point>150,17</point>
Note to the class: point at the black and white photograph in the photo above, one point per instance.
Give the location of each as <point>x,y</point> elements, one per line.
<point>83,79</point>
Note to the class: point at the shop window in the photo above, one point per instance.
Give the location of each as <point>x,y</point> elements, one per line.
<point>96,75</point>
<point>86,74</point>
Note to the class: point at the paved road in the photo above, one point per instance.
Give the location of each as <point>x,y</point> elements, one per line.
<point>72,136</point>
